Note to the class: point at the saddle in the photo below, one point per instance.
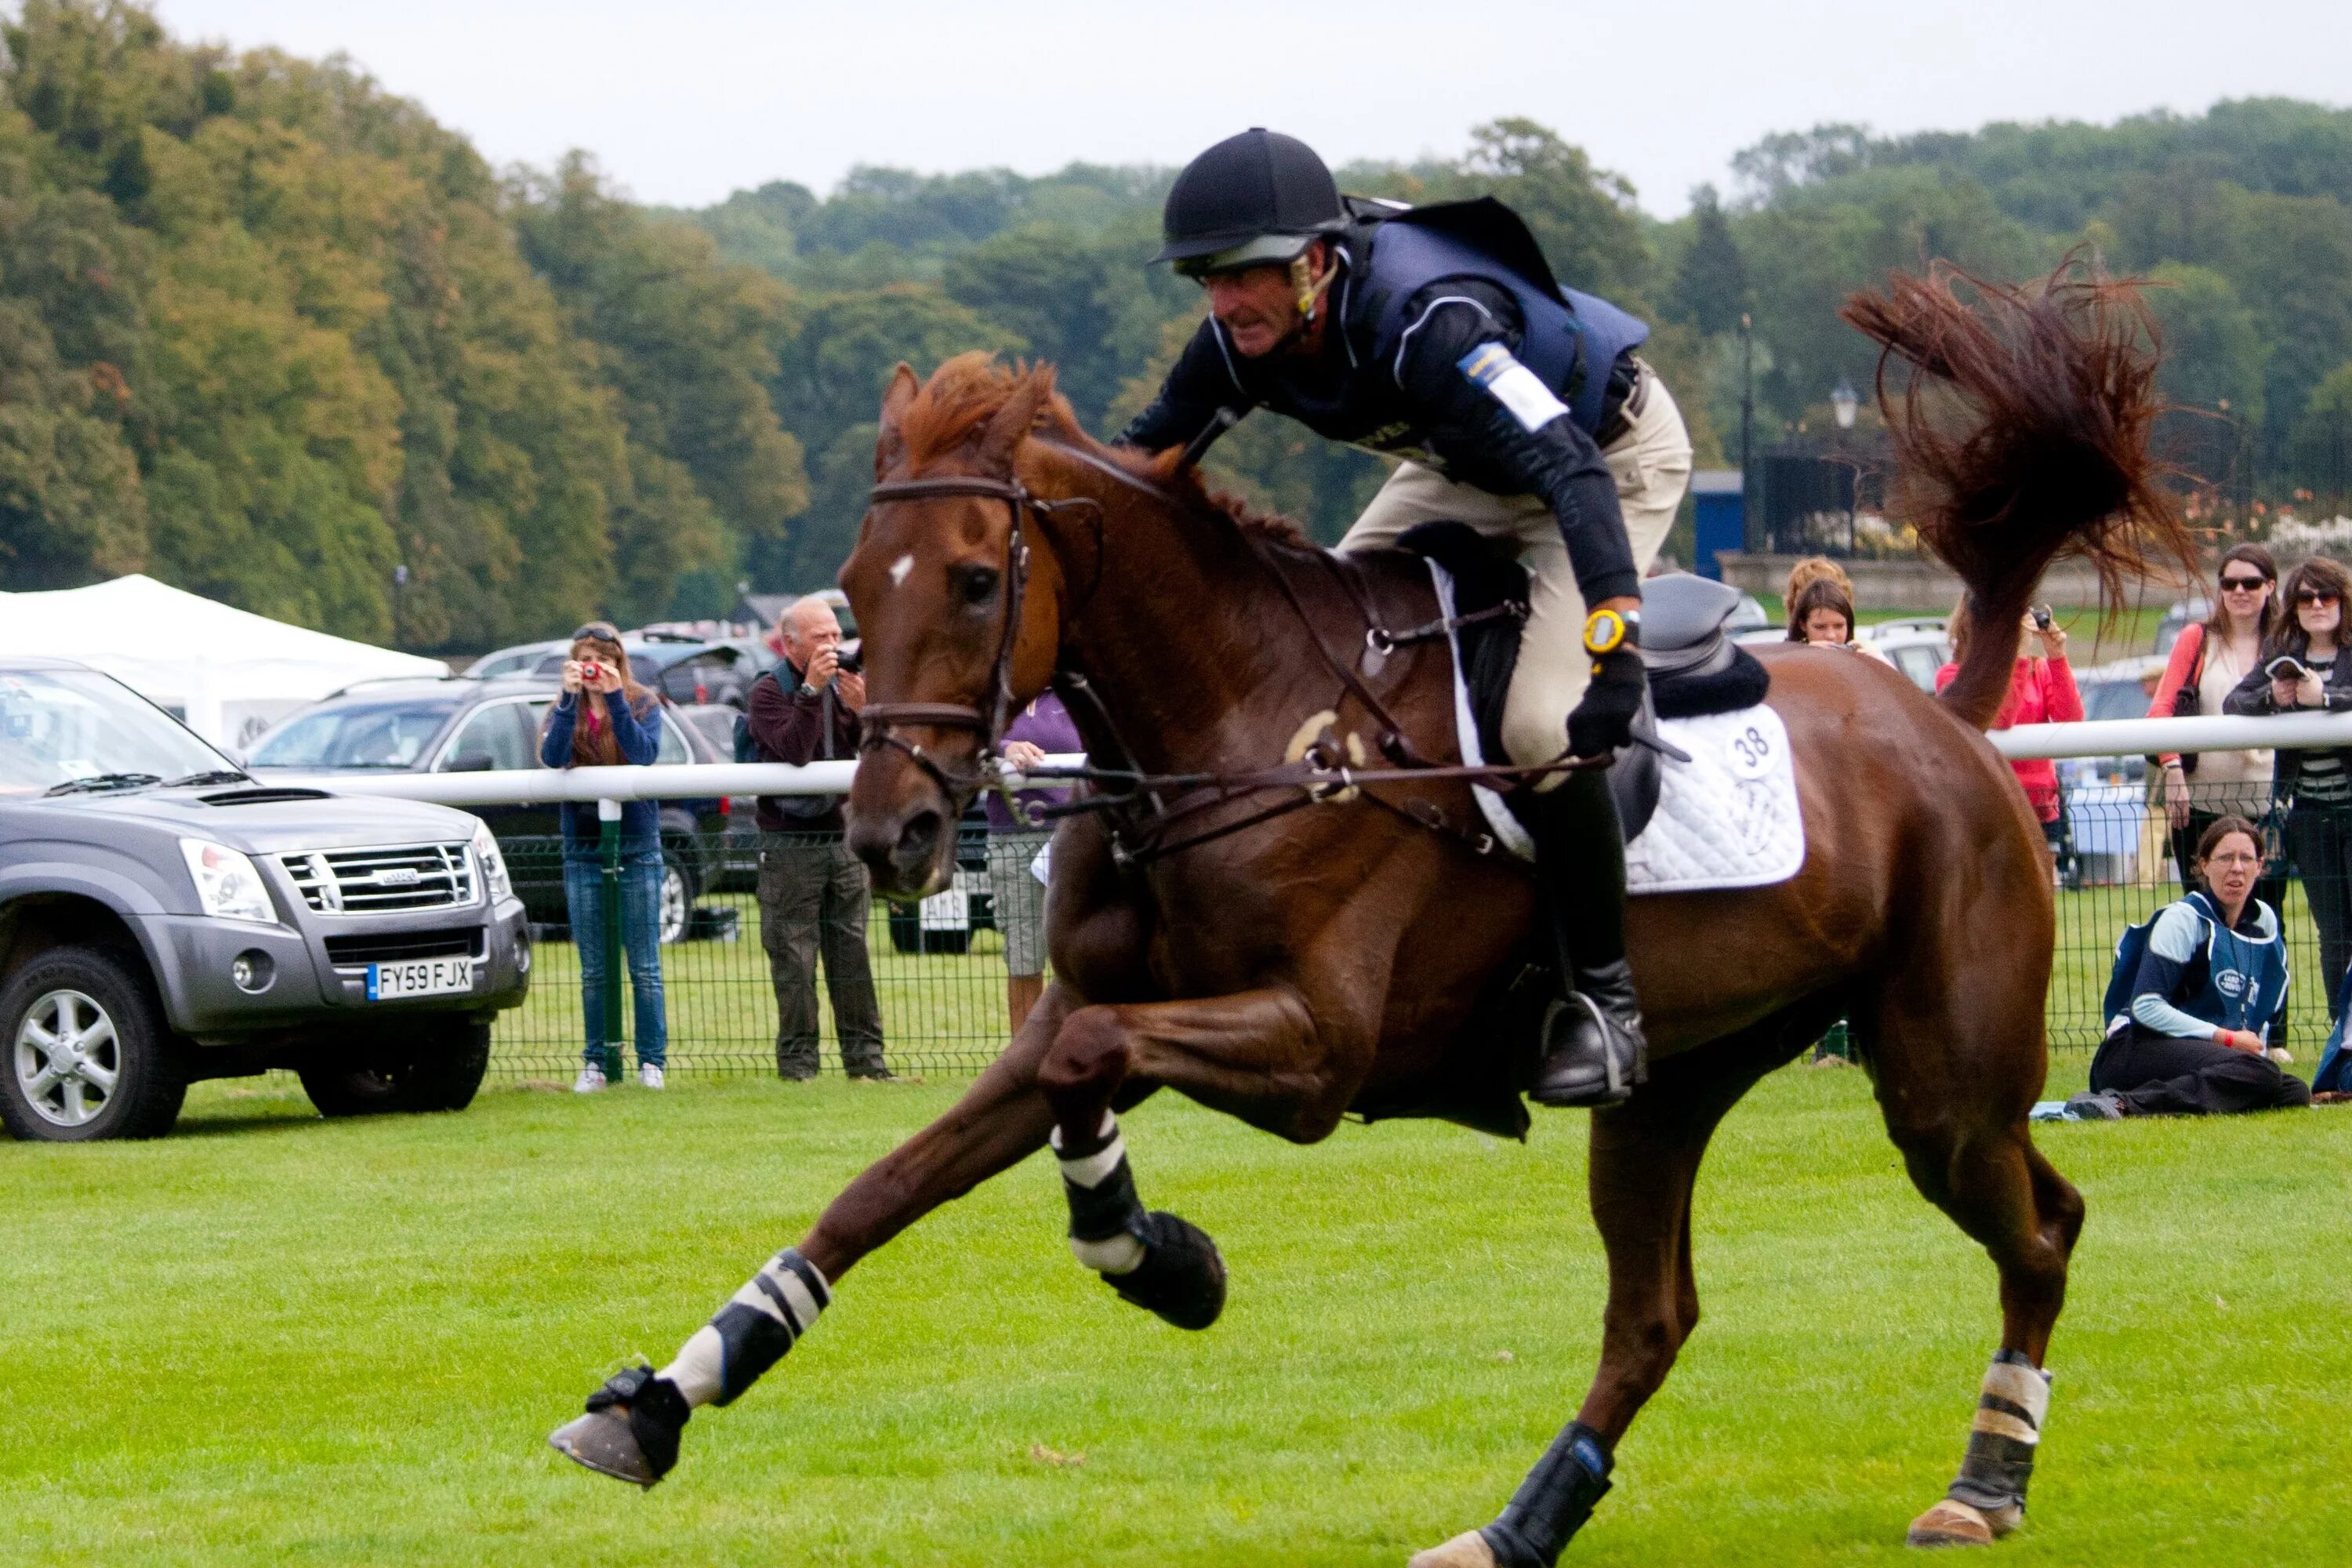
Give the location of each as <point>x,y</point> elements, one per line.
<point>1694,666</point>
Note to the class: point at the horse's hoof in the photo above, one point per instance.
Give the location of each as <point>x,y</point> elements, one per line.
<point>1181,1278</point>
<point>631,1430</point>
<point>601,1441</point>
<point>1952,1522</point>
<point>1467,1550</point>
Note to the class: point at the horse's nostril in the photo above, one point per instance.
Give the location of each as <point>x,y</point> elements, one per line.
<point>918,839</point>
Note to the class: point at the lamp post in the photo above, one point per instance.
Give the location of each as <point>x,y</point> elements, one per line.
<point>399,599</point>
<point>1746,430</point>
<point>1845,402</point>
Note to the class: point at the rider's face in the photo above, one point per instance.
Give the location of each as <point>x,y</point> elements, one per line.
<point>1257,305</point>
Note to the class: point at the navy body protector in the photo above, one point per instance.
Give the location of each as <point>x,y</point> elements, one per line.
<point>2245,975</point>
<point>1571,340</point>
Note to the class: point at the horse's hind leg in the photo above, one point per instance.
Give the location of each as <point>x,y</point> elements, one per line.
<point>1645,1163</point>
<point>1956,1081</point>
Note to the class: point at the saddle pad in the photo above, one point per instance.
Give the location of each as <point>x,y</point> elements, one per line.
<point>1509,831</point>
<point>1729,817</point>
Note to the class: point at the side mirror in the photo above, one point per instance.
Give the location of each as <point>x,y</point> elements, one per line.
<point>472,763</point>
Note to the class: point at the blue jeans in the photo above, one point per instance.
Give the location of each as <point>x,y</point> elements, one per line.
<point>583,894</point>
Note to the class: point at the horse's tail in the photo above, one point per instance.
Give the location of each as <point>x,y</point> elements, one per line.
<point>2021,430</point>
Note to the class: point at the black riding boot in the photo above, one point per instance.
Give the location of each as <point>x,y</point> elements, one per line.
<point>1593,1049</point>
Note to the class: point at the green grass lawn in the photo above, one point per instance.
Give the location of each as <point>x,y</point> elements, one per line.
<point>273,1340</point>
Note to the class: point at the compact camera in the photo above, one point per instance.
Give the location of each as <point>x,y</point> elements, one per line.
<point>850,658</point>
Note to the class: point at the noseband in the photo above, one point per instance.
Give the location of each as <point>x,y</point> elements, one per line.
<point>986,718</point>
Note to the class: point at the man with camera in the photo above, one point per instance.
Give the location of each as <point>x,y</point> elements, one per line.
<point>812,892</point>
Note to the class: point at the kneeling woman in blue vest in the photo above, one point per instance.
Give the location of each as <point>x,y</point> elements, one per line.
<point>2209,986</point>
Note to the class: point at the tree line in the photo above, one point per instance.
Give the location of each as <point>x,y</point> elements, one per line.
<point>273,335</point>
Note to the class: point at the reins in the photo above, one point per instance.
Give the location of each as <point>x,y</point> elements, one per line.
<point>1320,778</point>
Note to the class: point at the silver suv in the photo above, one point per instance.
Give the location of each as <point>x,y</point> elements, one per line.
<point>164,919</point>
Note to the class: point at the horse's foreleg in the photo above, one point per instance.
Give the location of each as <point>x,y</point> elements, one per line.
<point>1255,1049</point>
<point>631,1430</point>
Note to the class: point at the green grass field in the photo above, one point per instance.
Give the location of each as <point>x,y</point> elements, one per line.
<point>273,1340</point>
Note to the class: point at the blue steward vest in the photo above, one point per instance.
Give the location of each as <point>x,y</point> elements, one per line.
<point>2244,973</point>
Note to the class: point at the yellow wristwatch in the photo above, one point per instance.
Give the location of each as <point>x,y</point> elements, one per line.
<point>1606,631</point>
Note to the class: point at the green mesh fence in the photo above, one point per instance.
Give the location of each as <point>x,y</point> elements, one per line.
<point>940,973</point>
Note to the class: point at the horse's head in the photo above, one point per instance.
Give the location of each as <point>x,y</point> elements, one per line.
<point>958,596</point>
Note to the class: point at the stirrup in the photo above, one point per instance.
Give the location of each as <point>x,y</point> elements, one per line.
<point>1590,1060</point>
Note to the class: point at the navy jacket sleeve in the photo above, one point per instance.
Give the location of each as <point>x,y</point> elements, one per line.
<point>555,746</point>
<point>1199,384</point>
<point>1485,443</point>
<point>640,734</point>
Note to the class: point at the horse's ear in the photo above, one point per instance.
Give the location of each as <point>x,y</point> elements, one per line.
<point>890,448</point>
<point>1010,424</point>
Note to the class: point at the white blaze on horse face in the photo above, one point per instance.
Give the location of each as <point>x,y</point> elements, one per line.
<point>899,568</point>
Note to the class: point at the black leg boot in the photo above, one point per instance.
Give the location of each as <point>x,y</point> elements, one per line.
<point>1593,1049</point>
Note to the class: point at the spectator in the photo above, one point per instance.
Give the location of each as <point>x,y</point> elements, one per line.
<point>2040,691</point>
<point>2208,660</point>
<point>2210,984</point>
<point>2316,785</point>
<point>1810,570</point>
<point>603,718</point>
<point>812,892</point>
<point>1039,730</point>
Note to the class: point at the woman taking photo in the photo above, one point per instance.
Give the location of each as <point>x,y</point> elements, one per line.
<point>2208,660</point>
<point>2040,691</point>
<point>2210,984</point>
<point>602,720</point>
<point>2308,667</point>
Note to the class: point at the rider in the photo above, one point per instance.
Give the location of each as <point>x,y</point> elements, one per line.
<point>1437,334</point>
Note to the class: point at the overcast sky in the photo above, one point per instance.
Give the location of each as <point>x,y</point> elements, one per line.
<point>683,103</point>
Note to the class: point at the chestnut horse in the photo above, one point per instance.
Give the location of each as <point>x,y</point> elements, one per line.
<point>1352,955</point>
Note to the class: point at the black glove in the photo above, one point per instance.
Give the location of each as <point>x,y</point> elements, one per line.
<point>1604,719</point>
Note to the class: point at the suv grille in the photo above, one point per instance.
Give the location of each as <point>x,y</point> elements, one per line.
<point>383,881</point>
<point>350,951</point>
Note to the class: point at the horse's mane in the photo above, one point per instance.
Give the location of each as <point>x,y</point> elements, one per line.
<point>965,393</point>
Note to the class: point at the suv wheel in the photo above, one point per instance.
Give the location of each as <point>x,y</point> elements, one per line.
<point>88,1056</point>
<point>677,898</point>
<point>440,1072</point>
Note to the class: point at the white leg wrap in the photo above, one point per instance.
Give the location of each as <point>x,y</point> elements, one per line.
<point>699,1368</point>
<point>1119,1255</point>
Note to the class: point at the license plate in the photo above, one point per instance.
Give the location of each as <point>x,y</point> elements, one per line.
<point>420,977</point>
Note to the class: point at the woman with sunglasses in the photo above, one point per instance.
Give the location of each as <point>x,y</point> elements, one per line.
<point>2307,665</point>
<point>2209,659</point>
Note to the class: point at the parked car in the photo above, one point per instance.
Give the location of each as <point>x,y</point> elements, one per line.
<point>479,726</point>
<point>165,918</point>
<point>689,671</point>
<point>734,863</point>
<point>520,660</point>
<point>2183,614</point>
<point>1919,646</point>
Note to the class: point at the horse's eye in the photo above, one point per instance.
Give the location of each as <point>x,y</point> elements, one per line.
<point>979,583</point>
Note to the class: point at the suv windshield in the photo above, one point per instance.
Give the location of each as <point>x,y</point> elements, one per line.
<point>76,727</point>
<point>389,732</point>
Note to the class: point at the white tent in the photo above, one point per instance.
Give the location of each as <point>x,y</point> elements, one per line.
<point>228,674</point>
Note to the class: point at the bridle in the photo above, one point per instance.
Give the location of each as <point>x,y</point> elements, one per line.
<point>987,717</point>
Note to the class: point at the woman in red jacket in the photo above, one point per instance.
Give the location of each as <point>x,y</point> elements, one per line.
<point>2040,691</point>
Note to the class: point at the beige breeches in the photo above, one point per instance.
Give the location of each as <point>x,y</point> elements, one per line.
<point>1651,463</point>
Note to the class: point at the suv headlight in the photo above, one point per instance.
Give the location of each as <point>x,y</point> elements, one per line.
<point>228,886</point>
<point>496,883</point>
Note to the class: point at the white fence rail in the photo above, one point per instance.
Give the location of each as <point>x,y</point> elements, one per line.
<point>2106,738</point>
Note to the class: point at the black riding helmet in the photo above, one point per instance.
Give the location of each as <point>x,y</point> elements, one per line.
<point>1254,199</point>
